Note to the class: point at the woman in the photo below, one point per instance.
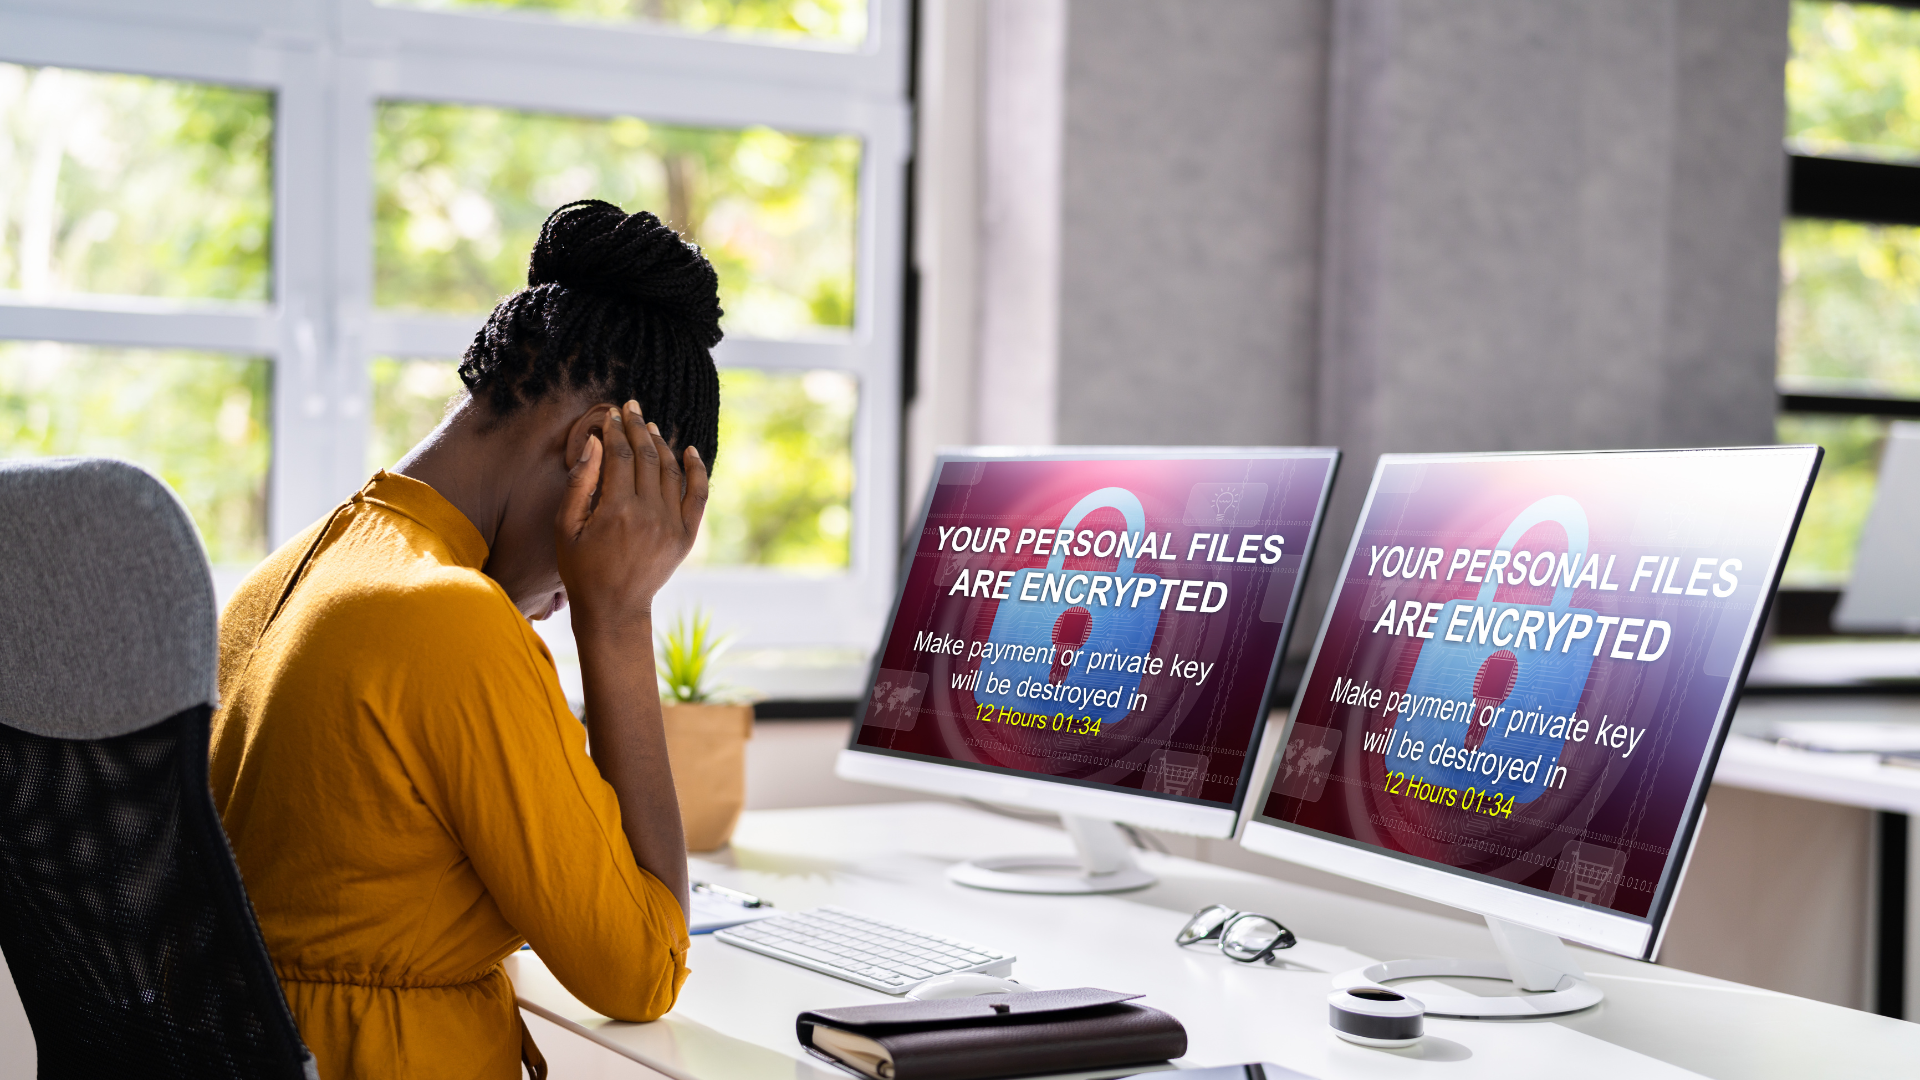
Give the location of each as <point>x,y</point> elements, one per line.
<point>406,791</point>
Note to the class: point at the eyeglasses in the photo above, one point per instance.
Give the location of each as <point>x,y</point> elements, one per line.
<point>1243,935</point>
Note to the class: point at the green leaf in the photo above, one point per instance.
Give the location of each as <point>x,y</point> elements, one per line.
<point>685,652</point>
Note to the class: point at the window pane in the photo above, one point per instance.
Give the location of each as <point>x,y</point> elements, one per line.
<point>782,495</point>
<point>836,23</point>
<point>783,487</point>
<point>1849,308</point>
<point>409,399</point>
<point>1853,81</point>
<point>198,420</point>
<point>1830,531</point>
<point>135,186</point>
<point>460,193</point>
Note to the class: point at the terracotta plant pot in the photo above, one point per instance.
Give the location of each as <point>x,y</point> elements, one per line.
<point>707,745</point>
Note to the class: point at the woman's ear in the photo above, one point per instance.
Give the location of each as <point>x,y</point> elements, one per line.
<point>586,425</point>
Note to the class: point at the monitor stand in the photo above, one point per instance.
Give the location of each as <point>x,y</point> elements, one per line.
<point>1104,863</point>
<point>1533,961</point>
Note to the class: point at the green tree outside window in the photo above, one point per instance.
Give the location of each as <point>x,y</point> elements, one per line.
<point>1853,81</point>
<point>1849,291</point>
<point>783,489</point>
<point>460,193</point>
<point>135,186</point>
<point>197,420</point>
<point>840,23</point>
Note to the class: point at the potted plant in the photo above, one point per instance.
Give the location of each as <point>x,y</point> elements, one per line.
<point>706,737</point>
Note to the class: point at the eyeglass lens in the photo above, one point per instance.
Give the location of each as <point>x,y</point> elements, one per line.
<point>1251,937</point>
<point>1205,923</point>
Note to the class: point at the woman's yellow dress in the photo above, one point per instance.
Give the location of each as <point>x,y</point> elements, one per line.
<point>409,798</point>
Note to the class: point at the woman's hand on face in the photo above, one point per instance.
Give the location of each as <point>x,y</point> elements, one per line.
<point>616,553</point>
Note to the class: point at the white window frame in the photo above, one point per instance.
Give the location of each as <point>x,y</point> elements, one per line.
<point>329,63</point>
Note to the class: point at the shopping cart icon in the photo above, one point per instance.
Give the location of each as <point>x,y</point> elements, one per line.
<point>1175,773</point>
<point>1589,872</point>
<point>1590,880</point>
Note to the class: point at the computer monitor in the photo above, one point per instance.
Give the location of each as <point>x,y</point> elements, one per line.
<point>1519,691</point>
<point>1091,632</point>
<point>1884,593</point>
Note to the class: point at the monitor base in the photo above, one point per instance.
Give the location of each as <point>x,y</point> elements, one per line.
<point>1531,960</point>
<point>1103,863</point>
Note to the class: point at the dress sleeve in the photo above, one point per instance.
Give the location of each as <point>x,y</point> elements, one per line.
<point>539,824</point>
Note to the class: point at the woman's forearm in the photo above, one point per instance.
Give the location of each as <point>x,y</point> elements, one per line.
<point>630,515</point>
<point>628,741</point>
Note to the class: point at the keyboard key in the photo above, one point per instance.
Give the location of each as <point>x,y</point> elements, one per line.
<point>814,954</point>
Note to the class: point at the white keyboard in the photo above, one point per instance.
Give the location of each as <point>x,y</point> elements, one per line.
<point>862,949</point>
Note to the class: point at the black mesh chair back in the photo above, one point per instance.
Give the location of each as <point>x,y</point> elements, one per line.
<point>122,915</point>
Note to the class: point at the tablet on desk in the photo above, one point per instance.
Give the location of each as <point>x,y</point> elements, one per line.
<point>716,907</point>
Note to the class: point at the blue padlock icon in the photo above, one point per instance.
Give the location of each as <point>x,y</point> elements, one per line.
<point>1017,674</point>
<point>1491,752</point>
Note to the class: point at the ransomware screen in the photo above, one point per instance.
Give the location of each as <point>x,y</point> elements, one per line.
<point>1110,621</point>
<point>1525,664</point>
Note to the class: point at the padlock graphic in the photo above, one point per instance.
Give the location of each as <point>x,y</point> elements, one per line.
<point>1503,756</point>
<point>1017,673</point>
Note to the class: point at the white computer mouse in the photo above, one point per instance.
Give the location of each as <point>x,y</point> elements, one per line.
<point>964,986</point>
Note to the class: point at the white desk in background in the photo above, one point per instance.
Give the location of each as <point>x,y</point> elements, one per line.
<point>1752,759</point>
<point>735,1018</point>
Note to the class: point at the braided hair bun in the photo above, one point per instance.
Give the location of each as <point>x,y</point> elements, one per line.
<point>617,306</point>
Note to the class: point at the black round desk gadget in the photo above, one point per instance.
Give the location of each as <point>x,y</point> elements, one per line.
<point>1376,1016</point>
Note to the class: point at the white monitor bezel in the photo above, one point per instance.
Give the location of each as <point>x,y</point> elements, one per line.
<point>1565,917</point>
<point>1059,795</point>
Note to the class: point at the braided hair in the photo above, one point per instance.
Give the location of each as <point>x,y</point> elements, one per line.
<point>617,306</point>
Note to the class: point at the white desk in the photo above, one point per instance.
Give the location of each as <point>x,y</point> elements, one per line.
<point>1751,762</point>
<point>735,1018</point>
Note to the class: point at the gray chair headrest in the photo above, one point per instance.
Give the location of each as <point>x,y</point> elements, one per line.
<point>107,617</point>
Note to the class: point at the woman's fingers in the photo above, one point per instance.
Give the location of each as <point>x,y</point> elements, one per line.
<point>647,469</point>
<point>632,457</point>
<point>577,505</point>
<point>617,473</point>
<point>673,484</point>
<point>693,505</point>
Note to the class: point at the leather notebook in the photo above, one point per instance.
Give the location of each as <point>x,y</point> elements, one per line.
<point>994,1035</point>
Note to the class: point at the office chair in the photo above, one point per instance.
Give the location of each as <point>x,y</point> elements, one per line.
<point>122,915</point>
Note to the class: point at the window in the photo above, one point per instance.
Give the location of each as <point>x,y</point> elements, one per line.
<point>460,192</point>
<point>244,245</point>
<point>768,514</point>
<point>197,420</point>
<point>1849,357</point>
<point>410,398</point>
<point>131,186</point>
<point>831,23</point>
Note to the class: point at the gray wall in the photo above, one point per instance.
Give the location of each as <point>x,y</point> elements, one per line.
<point>1552,224</point>
<point>1420,224</point>
<point>1189,220</point>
